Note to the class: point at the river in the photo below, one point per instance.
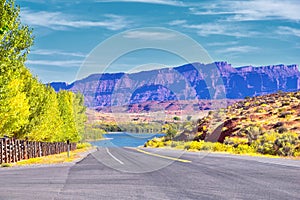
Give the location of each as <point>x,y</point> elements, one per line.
<point>124,139</point>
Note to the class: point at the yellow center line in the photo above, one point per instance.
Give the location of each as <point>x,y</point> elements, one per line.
<point>161,156</point>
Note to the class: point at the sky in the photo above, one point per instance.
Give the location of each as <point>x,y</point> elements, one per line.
<point>253,32</point>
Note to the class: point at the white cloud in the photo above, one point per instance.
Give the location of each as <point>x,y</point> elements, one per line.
<point>57,52</point>
<point>60,21</point>
<point>149,35</point>
<point>219,29</point>
<point>253,10</point>
<point>177,22</point>
<point>59,63</point>
<point>162,2</point>
<point>32,1</point>
<point>222,43</point>
<point>285,30</point>
<point>195,11</point>
<point>238,49</point>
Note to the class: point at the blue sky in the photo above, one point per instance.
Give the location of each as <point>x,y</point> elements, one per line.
<point>254,32</point>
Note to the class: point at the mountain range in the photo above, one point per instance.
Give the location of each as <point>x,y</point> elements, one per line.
<point>195,81</point>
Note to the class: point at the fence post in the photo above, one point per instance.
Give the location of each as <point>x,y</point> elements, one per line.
<point>51,148</point>
<point>13,150</point>
<point>19,150</point>
<point>39,149</point>
<point>11,153</point>
<point>33,149</point>
<point>12,156</point>
<point>29,149</point>
<point>46,148</point>
<point>68,148</point>
<point>6,160</point>
<point>9,150</point>
<point>25,150</point>
<point>1,151</point>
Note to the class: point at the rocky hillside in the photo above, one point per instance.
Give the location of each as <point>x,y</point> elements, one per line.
<point>188,82</point>
<point>248,119</point>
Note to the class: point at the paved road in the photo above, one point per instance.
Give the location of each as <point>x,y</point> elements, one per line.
<point>120,173</point>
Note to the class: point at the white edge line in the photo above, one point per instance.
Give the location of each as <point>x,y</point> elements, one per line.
<point>114,156</point>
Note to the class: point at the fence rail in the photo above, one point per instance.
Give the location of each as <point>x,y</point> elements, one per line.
<point>13,150</point>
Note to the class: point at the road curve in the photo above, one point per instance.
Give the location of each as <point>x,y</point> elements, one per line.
<point>125,173</point>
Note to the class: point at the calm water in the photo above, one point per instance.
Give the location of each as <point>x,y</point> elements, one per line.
<point>125,139</point>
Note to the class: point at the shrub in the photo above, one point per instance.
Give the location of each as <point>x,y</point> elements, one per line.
<point>83,145</point>
<point>176,118</point>
<point>207,146</point>
<point>253,132</point>
<point>149,143</point>
<point>284,114</point>
<point>195,145</point>
<point>247,104</point>
<point>228,141</point>
<point>222,147</point>
<point>170,131</point>
<point>159,144</point>
<point>285,104</point>
<point>173,144</point>
<point>168,143</point>
<point>155,142</point>
<point>286,144</point>
<point>260,110</point>
<point>244,148</point>
<point>282,129</point>
<point>157,139</point>
<point>266,148</point>
<point>180,146</point>
<point>235,141</point>
<point>278,124</point>
<point>265,143</point>
<point>5,165</point>
<point>187,145</point>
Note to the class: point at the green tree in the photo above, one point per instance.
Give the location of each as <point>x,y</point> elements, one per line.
<point>15,40</point>
<point>29,109</point>
<point>176,118</point>
<point>14,108</point>
<point>65,102</point>
<point>169,130</point>
<point>15,37</point>
<point>79,112</point>
<point>45,122</point>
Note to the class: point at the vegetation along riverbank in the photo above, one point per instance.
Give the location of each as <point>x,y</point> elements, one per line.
<point>263,125</point>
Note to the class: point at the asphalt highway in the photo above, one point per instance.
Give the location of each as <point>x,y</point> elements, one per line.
<point>129,173</point>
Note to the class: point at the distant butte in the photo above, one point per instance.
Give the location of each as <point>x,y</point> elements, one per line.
<point>194,81</point>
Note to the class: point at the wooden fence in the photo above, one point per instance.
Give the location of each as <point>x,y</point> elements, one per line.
<point>12,150</point>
